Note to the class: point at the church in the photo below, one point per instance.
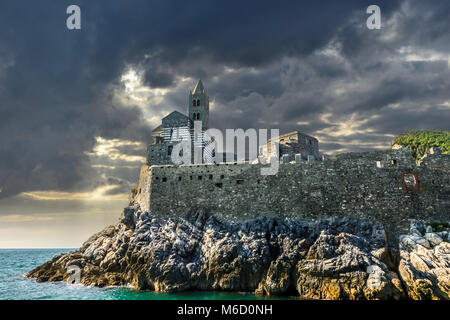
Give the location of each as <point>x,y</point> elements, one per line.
<point>177,127</point>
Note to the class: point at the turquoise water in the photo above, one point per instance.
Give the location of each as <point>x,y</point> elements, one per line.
<point>14,263</point>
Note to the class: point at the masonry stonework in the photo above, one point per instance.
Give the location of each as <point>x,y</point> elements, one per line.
<point>367,186</point>
<point>292,144</point>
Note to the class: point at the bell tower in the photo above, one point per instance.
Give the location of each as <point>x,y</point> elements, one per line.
<point>199,105</point>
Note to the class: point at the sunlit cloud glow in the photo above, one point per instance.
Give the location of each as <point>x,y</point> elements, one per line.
<point>99,193</point>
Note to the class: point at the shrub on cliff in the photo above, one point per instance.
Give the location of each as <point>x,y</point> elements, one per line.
<point>420,141</point>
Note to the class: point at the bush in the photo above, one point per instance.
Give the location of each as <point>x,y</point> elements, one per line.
<point>420,141</point>
<point>438,226</point>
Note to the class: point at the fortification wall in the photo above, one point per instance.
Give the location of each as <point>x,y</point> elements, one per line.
<point>371,185</point>
<point>291,144</point>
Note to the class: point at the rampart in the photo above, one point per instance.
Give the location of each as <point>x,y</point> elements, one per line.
<point>383,186</point>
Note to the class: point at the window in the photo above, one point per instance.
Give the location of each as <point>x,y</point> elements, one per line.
<point>379,164</point>
<point>410,181</point>
<point>210,177</point>
<point>179,178</point>
<point>194,103</point>
<point>394,162</point>
<point>198,102</point>
<point>219,185</point>
<point>164,179</point>
<point>169,150</point>
<point>222,176</point>
<point>199,177</point>
<point>239,181</point>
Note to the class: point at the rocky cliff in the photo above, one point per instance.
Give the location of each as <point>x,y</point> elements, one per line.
<point>326,259</point>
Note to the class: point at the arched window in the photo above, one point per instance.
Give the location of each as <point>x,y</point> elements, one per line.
<point>196,116</point>
<point>198,102</point>
<point>194,102</point>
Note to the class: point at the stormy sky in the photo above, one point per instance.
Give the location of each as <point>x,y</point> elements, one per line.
<point>77,106</point>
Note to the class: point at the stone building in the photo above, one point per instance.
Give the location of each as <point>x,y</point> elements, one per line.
<point>292,144</point>
<point>386,186</point>
<point>177,127</point>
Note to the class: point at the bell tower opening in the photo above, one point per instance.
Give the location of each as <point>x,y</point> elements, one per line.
<point>199,105</point>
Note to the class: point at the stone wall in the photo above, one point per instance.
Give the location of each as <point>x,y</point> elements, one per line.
<point>383,186</point>
<point>292,143</point>
<point>159,153</point>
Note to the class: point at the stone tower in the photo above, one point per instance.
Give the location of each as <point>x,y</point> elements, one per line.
<point>199,105</point>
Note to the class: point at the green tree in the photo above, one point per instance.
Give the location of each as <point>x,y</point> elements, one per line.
<point>420,141</point>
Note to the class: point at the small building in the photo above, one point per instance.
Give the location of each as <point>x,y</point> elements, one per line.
<point>290,144</point>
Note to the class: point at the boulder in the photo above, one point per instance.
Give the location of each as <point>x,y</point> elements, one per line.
<point>425,269</point>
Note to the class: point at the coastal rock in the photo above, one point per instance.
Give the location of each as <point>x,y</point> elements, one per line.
<point>325,259</point>
<point>341,267</point>
<point>278,278</point>
<point>425,269</point>
<point>433,238</point>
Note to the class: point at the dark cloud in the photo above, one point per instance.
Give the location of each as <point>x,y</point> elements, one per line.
<point>286,64</point>
<point>120,186</point>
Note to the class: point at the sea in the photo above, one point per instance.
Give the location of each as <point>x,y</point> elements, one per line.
<point>15,263</point>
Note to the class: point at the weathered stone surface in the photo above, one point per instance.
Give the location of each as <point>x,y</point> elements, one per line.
<point>342,267</point>
<point>278,279</point>
<point>329,259</point>
<point>425,269</point>
<point>351,185</point>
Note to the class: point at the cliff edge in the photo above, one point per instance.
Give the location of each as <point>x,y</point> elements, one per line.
<point>324,259</point>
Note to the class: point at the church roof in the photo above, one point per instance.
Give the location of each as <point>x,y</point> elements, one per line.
<point>158,128</point>
<point>176,115</point>
<point>198,87</point>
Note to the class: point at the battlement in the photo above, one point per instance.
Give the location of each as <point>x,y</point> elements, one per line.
<point>386,186</point>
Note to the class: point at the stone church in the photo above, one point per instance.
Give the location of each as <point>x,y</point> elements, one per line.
<point>177,127</point>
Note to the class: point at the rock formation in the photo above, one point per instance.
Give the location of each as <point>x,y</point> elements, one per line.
<point>425,263</point>
<point>326,259</point>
